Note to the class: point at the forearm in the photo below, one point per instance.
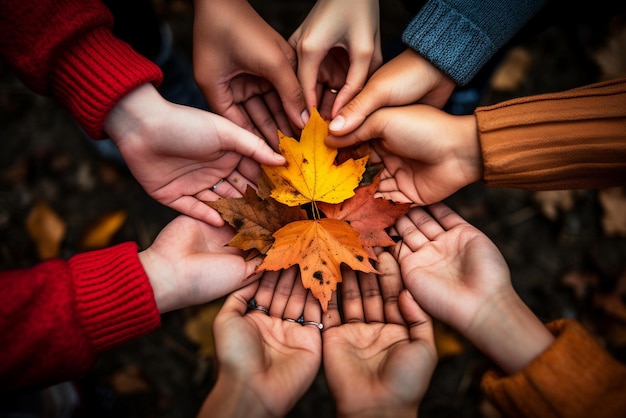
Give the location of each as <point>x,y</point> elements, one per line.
<point>460,37</point>
<point>509,333</point>
<point>570,140</point>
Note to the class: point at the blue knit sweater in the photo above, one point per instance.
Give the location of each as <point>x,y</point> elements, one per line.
<point>460,36</point>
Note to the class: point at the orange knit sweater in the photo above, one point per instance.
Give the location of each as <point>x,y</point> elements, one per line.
<point>574,378</point>
<point>570,140</point>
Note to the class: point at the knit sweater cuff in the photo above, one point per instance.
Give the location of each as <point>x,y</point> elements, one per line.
<point>92,75</point>
<point>449,41</point>
<point>114,298</point>
<point>573,377</point>
<point>568,140</point>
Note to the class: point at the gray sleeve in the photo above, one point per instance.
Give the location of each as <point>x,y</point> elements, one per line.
<point>460,36</point>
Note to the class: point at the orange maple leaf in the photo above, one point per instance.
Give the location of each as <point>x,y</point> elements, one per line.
<point>318,247</point>
<point>311,173</point>
<point>255,219</point>
<point>368,215</point>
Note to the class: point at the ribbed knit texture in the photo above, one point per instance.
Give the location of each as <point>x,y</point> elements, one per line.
<point>570,140</point>
<point>57,316</point>
<point>65,48</point>
<point>573,378</point>
<point>459,37</point>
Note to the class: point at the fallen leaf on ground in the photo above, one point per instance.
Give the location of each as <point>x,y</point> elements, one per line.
<point>99,235</point>
<point>46,228</point>
<point>553,202</point>
<point>613,202</point>
<point>199,329</point>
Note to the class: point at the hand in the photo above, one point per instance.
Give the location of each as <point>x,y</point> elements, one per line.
<point>177,153</point>
<point>353,25</point>
<point>189,263</point>
<point>458,276</point>
<point>379,360</point>
<point>266,363</point>
<point>246,69</point>
<point>428,154</point>
<point>408,78</point>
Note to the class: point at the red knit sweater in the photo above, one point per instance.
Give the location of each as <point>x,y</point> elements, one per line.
<point>65,49</point>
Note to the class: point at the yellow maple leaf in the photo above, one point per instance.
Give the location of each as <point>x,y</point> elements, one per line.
<point>318,247</point>
<point>310,173</point>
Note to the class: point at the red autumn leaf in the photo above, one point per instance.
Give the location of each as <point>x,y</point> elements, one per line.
<point>368,215</point>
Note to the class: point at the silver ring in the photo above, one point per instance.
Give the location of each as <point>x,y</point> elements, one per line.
<point>216,185</point>
<point>290,320</point>
<point>333,91</point>
<point>317,324</point>
<point>261,308</point>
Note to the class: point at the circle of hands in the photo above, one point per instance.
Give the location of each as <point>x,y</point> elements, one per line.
<point>376,342</point>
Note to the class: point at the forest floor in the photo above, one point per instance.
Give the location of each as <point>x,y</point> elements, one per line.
<point>566,250</point>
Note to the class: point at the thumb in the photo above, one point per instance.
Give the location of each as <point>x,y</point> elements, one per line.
<point>354,113</point>
<point>371,127</point>
<point>247,144</point>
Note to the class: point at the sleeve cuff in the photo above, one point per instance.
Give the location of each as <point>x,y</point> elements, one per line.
<point>95,73</point>
<point>114,298</point>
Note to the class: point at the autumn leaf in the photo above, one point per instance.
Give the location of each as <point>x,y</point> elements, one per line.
<point>311,173</point>
<point>46,228</point>
<point>100,234</point>
<point>368,215</point>
<point>318,247</point>
<point>255,219</point>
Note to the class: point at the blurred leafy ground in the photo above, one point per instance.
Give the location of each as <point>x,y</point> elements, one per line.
<point>566,250</point>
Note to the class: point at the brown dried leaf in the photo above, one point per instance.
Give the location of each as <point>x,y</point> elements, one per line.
<point>46,228</point>
<point>613,201</point>
<point>99,235</point>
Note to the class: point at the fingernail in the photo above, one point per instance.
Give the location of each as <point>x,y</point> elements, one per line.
<point>279,157</point>
<point>337,123</point>
<point>304,116</point>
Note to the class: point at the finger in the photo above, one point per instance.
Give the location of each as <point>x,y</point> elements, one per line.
<point>288,87</point>
<point>262,118</point>
<point>250,170</point>
<point>312,309</point>
<point>282,292</point>
<point>265,291</point>
<point>426,223</point>
<point>411,235</point>
<point>326,103</point>
<point>371,297</point>
<point>237,302</point>
<point>250,145</point>
<point>355,79</point>
<point>297,299</point>
<point>419,322</point>
<point>372,127</point>
<point>351,297</point>
<point>447,217</point>
<point>332,317</point>
<point>272,99</point>
<point>354,113</point>
<point>391,285</point>
<point>191,206</point>
<point>237,182</point>
<point>309,61</point>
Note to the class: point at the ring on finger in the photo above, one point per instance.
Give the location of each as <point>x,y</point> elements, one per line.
<point>216,185</point>
<point>317,324</point>
<point>253,305</point>
<point>333,91</point>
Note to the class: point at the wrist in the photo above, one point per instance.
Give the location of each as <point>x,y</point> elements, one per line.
<point>232,398</point>
<point>469,151</point>
<point>509,333</point>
